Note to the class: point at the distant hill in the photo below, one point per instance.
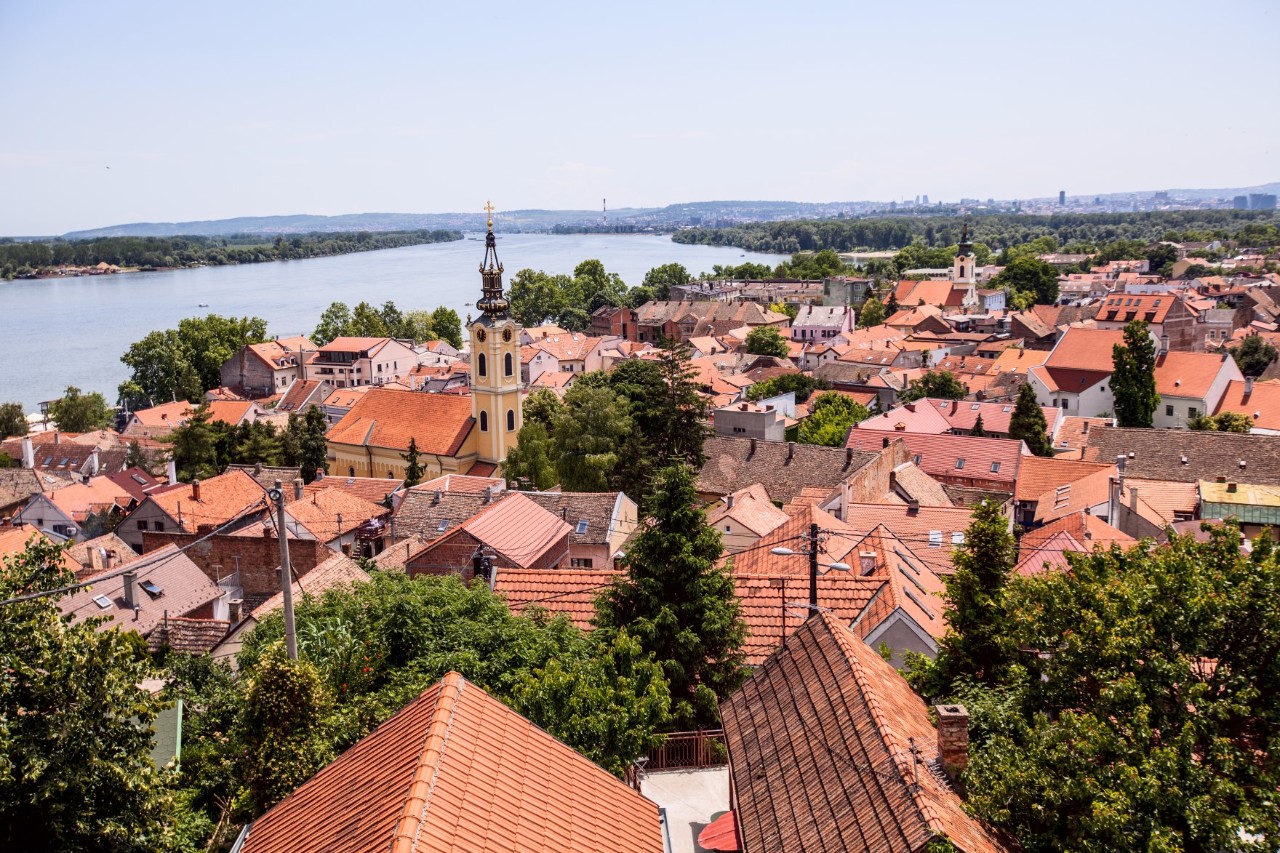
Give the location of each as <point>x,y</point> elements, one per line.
<point>704,213</point>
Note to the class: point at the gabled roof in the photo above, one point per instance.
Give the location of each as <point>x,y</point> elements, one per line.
<point>1085,493</point>
<point>1041,474</point>
<point>948,455</point>
<point>568,592</point>
<point>964,414</point>
<point>1190,374</point>
<point>1049,556</point>
<point>299,393</point>
<point>14,540</point>
<point>329,513</point>
<point>589,514</point>
<point>1188,455</point>
<point>222,498</point>
<point>457,770</point>
<point>1089,530</point>
<point>1123,307</point>
<point>827,714</point>
<point>1086,349</point>
<point>751,508</point>
<point>1074,432</point>
<point>920,416</point>
<point>355,344</point>
<point>1261,404</point>
<point>372,489</point>
<point>336,572</point>
<point>784,468</point>
<point>182,588</point>
<point>440,423</point>
<point>518,528</point>
<point>78,501</point>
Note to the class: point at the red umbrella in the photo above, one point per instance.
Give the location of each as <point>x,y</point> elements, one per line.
<point>720,834</point>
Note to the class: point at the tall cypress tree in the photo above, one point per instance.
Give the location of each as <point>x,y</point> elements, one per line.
<point>413,468</point>
<point>1134,381</point>
<point>979,430</point>
<point>1028,423</point>
<point>679,602</point>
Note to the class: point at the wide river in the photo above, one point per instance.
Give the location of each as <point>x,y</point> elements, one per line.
<point>61,332</point>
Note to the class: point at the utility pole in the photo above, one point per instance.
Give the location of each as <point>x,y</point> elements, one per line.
<point>286,572</point>
<point>813,569</point>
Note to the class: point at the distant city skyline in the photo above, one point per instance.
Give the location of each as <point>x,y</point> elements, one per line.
<point>130,112</point>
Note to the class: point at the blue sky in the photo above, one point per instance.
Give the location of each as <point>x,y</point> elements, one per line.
<point>212,110</point>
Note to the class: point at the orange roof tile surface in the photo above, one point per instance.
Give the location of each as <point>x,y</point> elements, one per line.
<point>1086,349</point>
<point>518,528</point>
<point>439,423</point>
<point>456,770</point>
<point>335,572</point>
<point>1261,404</point>
<point>1089,530</point>
<point>791,730</point>
<point>570,592</point>
<point>320,511</point>
<point>222,498</point>
<point>1190,374</point>
<point>1040,474</point>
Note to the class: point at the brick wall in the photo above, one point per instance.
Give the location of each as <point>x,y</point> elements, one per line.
<point>256,557</point>
<point>870,482</point>
<point>453,554</point>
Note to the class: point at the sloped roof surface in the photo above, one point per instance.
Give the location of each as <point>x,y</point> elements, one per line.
<point>819,752</point>
<point>456,770</point>
<point>782,468</point>
<point>1158,454</point>
<point>222,498</point>
<point>518,528</point>
<point>184,588</point>
<point>387,418</point>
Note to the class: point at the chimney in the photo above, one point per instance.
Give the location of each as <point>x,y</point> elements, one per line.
<point>488,494</point>
<point>57,437</point>
<point>257,468</point>
<point>195,490</point>
<point>1133,498</point>
<point>435,497</point>
<point>93,462</point>
<point>913,506</point>
<point>297,489</point>
<point>237,610</point>
<point>28,453</point>
<point>130,589</point>
<point>953,738</point>
<point>110,560</point>
<point>729,502</point>
<point>1248,387</point>
<point>848,456</point>
<point>1085,430</point>
<point>319,473</point>
<point>172,470</point>
<point>753,448</point>
<point>867,562</point>
<point>1164,344</point>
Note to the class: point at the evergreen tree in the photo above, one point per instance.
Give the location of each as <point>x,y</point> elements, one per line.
<point>413,468</point>
<point>305,444</point>
<point>977,645</point>
<point>979,431</point>
<point>678,602</point>
<point>1028,422</point>
<point>1133,383</point>
<point>680,427</point>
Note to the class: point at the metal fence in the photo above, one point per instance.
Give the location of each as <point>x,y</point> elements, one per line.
<point>689,750</point>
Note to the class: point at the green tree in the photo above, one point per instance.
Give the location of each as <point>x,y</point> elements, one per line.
<point>1254,355</point>
<point>253,443</point>
<point>413,468</point>
<point>679,602</point>
<point>586,439</point>
<point>306,438</point>
<point>542,406</point>
<point>766,340</point>
<point>367,322</point>
<point>938,384</point>
<point>1133,382</point>
<point>1150,692</point>
<point>801,383</point>
<point>79,412</point>
<point>979,430</point>
<point>538,298</point>
<point>596,288</point>
<point>1233,422</point>
<point>447,326</point>
<point>830,419</point>
<point>75,727</point>
<point>660,279</point>
<point>279,726</point>
<point>1029,424</point>
<point>417,327</point>
<point>1028,274</point>
<point>872,313</point>
<point>162,373</point>
<point>977,646</point>
<point>334,323</point>
<point>529,462</point>
<point>13,420</point>
<point>195,445</point>
<point>209,342</point>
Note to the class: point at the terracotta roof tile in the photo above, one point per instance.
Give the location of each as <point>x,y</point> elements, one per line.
<point>1073,434</point>
<point>372,489</point>
<point>1089,530</point>
<point>222,498</point>
<point>568,592</point>
<point>182,588</point>
<point>336,572</point>
<point>385,418</point>
<point>1086,349</point>
<point>951,456</point>
<point>1159,454</point>
<point>1261,404</point>
<point>319,512</point>
<point>187,635</point>
<point>518,528</point>
<point>1041,474</point>
<point>14,540</point>
<point>457,770</point>
<point>750,508</point>
<point>1190,374</point>
<point>827,707</point>
<point>783,468</point>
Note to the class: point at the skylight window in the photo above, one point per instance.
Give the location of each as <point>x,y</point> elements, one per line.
<point>995,467</point>
<point>976,406</point>
<point>959,463</point>
<point>151,588</point>
<point>957,538</point>
<point>102,601</point>
<point>582,526</point>
<point>442,526</point>
<point>1008,409</point>
<point>935,538</point>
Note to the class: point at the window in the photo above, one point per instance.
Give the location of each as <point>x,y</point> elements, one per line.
<point>507,364</point>
<point>160,526</point>
<point>484,419</point>
<point>480,364</point>
<point>582,526</point>
<point>142,524</point>
<point>351,472</point>
<point>511,419</point>
<point>102,601</point>
<point>1193,412</point>
<point>995,467</point>
<point>151,588</point>
<point>580,562</point>
<point>1168,410</point>
<point>959,463</point>
<point>916,459</point>
<point>728,528</point>
<point>935,538</point>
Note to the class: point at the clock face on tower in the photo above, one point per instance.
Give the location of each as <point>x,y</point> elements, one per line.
<point>481,335</point>
<point>506,334</point>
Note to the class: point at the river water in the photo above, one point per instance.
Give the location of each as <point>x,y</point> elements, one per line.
<point>60,332</point>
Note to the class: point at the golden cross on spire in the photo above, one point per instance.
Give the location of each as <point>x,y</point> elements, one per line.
<point>488,208</point>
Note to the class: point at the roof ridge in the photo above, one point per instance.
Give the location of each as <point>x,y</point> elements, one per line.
<point>409,826</point>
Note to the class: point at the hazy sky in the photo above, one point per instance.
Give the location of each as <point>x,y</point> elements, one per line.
<point>212,110</point>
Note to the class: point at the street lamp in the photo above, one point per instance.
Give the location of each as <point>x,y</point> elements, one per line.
<point>813,538</point>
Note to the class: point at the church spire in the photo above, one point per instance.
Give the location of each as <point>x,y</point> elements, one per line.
<point>492,303</point>
<point>966,247</point>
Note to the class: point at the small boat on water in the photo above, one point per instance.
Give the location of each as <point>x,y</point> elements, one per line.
<point>203,305</point>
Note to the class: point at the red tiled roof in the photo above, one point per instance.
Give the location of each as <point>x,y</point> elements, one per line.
<point>457,770</point>
<point>1190,374</point>
<point>517,528</point>
<point>372,489</point>
<point>570,592</point>
<point>1041,474</point>
<point>947,455</point>
<point>826,710</point>
<point>1086,349</point>
<point>335,572</point>
<point>1083,527</point>
<point>1262,405</point>
<point>222,498</point>
<point>439,423</point>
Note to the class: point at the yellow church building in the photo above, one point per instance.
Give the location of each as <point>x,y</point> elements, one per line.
<point>453,434</point>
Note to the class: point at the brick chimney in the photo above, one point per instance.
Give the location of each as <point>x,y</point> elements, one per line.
<point>953,738</point>
<point>195,490</point>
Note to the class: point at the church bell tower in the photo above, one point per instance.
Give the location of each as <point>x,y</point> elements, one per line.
<point>963,271</point>
<point>495,361</point>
